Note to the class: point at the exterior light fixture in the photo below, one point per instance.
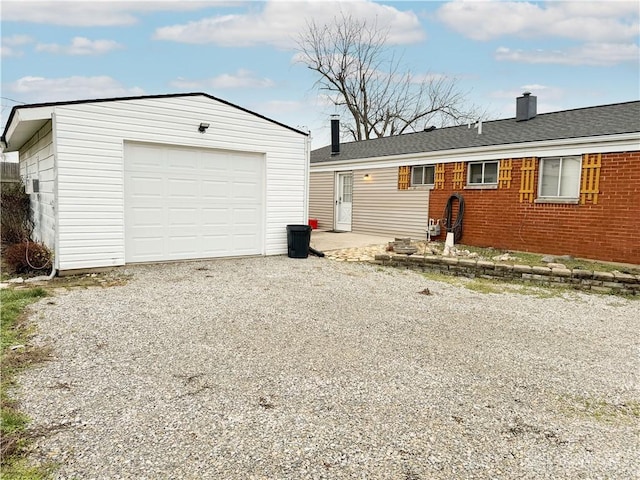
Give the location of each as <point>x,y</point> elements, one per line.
<point>203,127</point>
<point>367,176</point>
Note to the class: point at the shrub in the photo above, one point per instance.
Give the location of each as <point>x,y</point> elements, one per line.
<point>25,257</point>
<point>15,214</point>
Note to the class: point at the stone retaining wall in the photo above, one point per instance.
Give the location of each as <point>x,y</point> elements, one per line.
<point>604,282</point>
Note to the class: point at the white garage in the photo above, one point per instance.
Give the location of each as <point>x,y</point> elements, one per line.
<point>183,203</point>
<point>158,178</point>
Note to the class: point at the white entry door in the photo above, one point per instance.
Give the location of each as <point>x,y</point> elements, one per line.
<point>184,203</point>
<point>344,201</point>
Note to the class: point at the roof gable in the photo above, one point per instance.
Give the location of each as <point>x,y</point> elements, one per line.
<point>44,107</point>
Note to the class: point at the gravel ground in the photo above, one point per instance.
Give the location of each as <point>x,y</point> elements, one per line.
<point>284,368</point>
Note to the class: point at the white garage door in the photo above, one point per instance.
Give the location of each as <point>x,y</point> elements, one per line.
<point>183,203</point>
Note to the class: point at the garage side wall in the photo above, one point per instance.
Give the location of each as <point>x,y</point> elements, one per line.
<point>90,139</point>
<point>321,198</point>
<point>380,208</point>
<point>37,163</point>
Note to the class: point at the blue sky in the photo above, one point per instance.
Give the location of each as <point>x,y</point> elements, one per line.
<point>569,54</point>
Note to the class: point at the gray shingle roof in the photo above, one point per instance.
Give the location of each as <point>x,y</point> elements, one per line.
<point>582,122</point>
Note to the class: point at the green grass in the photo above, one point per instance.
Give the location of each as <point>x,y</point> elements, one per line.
<point>600,410</point>
<point>488,286</point>
<point>534,259</point>
<point>13,304</point>
<point>14,333</point>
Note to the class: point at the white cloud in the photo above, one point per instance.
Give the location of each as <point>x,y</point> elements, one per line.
<point>282,106</point>
<point>597,54</point>
<point>609,22</point>
<point>279,23</point>
<point>92,12</point>
<point>40,89</point>
<point>80,46</point>
<point>241,79</point>
<point>17,40</point>
<point>9,43</point>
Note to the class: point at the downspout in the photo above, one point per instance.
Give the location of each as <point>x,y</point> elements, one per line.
<point>307,168</point>
<point>55,265</point>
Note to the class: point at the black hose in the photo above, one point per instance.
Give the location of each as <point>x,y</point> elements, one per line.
<point>455,227</point>
<point>315,252</point>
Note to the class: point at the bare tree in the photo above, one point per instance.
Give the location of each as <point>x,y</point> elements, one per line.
<point>360,74</point>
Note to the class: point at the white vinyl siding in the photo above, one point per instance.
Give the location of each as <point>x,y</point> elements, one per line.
<point>380,208</point>
<point>37,162</point>
<point>321,198</point>
<point>90,140</point>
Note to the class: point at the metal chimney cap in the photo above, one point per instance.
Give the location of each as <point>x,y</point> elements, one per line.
<point>526,94</point>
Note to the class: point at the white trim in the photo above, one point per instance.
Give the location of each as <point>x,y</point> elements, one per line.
<point>56,198</point>
<point>337,193</point>
<point>411,184</point>
<point>481,186</point>
<point>483,183</point>
<point>558,198</point>
<point>548,148</point>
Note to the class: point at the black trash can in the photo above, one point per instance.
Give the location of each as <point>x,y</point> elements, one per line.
<point>298,238</point>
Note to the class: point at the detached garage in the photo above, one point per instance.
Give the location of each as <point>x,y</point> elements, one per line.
<point>158,178</point>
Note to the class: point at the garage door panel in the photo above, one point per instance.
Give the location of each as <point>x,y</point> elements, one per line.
<point>181,187</point>
<point>147,248</point>
<point>245,216</point>
<point>245,243</point>
<point>245,191</point>
<point>149,231</point>
<point>216,245</point>
<point>146,216</point>
<point>192,203</point>
<point>182,159</point>
<point>183,216</point>
<point>184,245</point>
<point>143,157</point>
<point>216,190</point>
<point>145,186</point>
<point>216,217</point>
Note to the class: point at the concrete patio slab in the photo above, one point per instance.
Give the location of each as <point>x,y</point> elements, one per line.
<point>326,241</point>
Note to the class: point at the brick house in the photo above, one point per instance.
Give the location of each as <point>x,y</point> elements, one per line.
<point>565,182</point>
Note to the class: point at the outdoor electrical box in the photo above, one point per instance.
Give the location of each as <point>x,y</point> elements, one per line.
<point>32,185</point>
<point>434,228</point>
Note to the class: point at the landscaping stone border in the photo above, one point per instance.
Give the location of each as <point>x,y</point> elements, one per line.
<point>602,282</point>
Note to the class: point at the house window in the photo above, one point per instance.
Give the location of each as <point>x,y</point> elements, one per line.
<point>422,175</point>
<point>559,177</point>
<point>483,173</point>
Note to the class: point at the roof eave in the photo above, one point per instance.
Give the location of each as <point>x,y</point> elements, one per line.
<point>567,146</point>
<point>37,106</point>
<point>23,124</point>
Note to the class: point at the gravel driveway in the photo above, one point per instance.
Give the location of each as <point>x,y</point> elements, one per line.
<point>281,368</point>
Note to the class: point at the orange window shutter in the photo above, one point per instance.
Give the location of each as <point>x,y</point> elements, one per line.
<point>590,179</point>
<point>504,178</point>
<point>439,174</point>
<point>404,174</point>
<point>527,180</point>
<point>458,175</point>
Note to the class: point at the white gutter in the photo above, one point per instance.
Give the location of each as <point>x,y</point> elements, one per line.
<point>572,146</point>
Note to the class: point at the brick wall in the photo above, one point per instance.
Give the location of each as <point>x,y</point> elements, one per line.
<point>608,230</point>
